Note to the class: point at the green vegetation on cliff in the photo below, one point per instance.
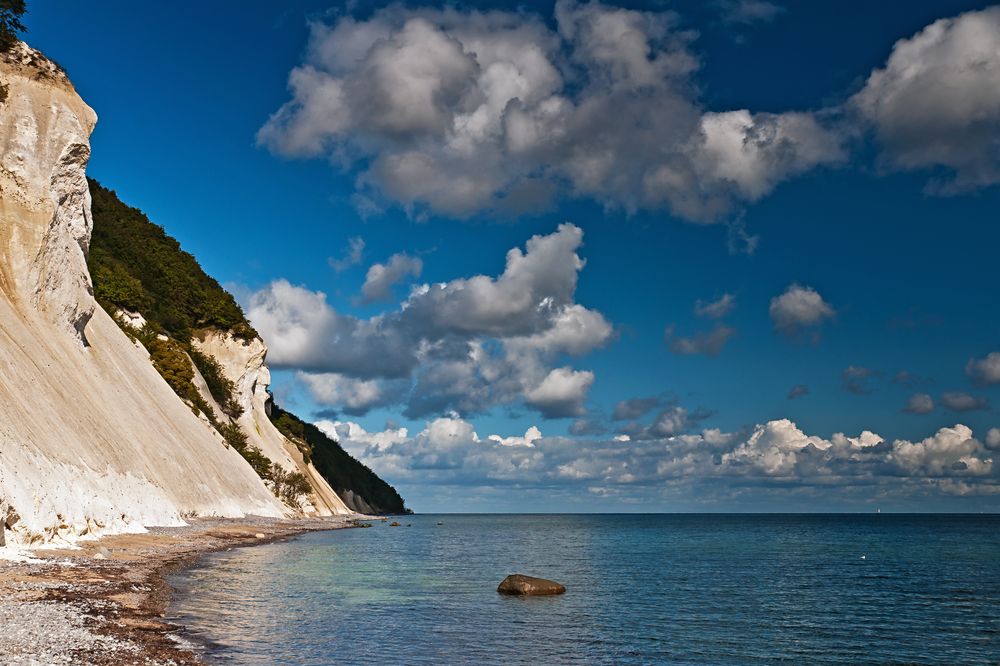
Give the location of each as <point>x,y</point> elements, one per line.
<point>220,386</point>
<point>137,267</point>
<point>11,12</point>
<point>173,361</point>
<point>338,467</point>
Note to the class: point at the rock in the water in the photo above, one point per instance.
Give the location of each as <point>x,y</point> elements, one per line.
<point>393,524</point>
<point>520,584</point>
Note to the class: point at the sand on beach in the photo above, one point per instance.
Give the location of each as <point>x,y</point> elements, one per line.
<point>103,601</point>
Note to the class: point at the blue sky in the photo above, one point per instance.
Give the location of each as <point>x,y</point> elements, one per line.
<point>871,204</point>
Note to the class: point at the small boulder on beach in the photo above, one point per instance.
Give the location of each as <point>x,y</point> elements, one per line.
<point>519,584</point>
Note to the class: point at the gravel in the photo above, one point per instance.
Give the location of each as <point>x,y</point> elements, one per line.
<point>103,603</point>
<point>27,630</point>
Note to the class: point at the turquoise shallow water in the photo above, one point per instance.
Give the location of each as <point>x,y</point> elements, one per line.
<point>642,589</point>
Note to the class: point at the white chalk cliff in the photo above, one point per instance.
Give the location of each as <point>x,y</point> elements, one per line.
<point>243,363</point>
<point>91,438</point>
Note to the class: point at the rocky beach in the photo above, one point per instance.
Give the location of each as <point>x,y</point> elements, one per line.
<point>103,601</point>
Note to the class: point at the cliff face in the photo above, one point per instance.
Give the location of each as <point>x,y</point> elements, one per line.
<point>91,437</point>
<point>243,363</point>
<point>46,204</point>
<point>358,486</point>
<point>155,288</point>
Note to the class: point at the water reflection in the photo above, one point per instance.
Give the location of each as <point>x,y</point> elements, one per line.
<point>641,589</point>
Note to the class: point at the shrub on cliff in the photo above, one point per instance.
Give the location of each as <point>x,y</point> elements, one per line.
<point>11,12</point>
<point>289,486</point>
<point>289,424</point>
<point>220,386</point>
<point>113,284</point>
<point>237,439</point>
<point>173,365</point>
<point>171,361</point>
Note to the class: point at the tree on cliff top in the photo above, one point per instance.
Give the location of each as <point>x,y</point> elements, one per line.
<point>137,266</point>
<point>11,12</point>
<point>341,470</point>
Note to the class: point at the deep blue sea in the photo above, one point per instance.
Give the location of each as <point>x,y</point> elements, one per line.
<point>641,589</point>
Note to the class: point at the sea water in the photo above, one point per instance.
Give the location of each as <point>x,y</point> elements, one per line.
<point>641,589</point>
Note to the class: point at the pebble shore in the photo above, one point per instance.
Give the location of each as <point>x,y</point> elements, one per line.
<point>104,602</point>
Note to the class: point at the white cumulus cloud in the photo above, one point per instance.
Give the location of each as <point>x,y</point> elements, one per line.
<point>464,345</point>
<point>959,401</point>
<point>950,451</point>
<point>936,102</point>
<point>528,439</point>
<point>799,308</point>
<point>984,370</point>
<point>919,403</point>
<point>561,393</point>
<point>354,396</point>
<point>459,112</point>
<point>381,278</point>
<point>774,459</point>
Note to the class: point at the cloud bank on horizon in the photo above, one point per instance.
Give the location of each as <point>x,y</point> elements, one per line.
<point>460,348</point>
<point>775,458</point>
<point>460,114</point>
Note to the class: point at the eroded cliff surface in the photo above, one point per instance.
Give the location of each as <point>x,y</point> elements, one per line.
<point>243,364</point>
<point>161,296</point>
<point>91,437</point>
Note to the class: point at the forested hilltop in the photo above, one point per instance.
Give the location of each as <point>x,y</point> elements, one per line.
<point>138,268</point>
<point>337,466</point>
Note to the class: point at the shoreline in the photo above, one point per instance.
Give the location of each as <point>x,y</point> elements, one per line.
<point>105,601</point>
